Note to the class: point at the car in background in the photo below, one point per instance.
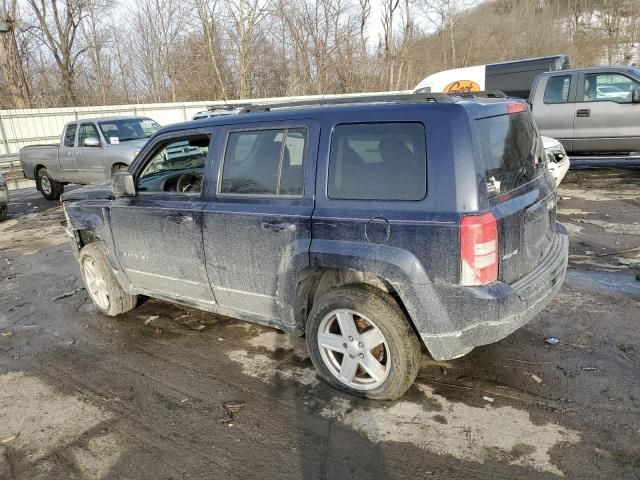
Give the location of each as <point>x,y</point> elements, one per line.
<point>514,78</point>
<point>90,151</point>
<point>611,91</point>
<point>218,111</point>
<point>4,198</point>
<point>557,159</point>
<point>590,110</point>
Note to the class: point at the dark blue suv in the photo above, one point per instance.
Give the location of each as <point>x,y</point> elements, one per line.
<point>373,226</point>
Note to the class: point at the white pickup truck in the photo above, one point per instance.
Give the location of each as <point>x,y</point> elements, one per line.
<point>90,150</point>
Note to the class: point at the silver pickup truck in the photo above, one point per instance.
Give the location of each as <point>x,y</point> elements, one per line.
<point>90,150</point>
<point>590,110</point>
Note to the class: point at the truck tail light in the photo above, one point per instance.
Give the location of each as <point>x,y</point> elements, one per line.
<point>478,249</point>
<point>517,107</point>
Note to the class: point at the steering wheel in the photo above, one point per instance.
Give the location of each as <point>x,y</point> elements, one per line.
<point>189,182</point>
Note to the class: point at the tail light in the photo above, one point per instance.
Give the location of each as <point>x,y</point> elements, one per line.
<point>478,249</point>
<point>517,107</point>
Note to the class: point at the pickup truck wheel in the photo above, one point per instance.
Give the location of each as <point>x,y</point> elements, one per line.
<point>101,284</point>
<point>50,189</point>
<point>361,342</point>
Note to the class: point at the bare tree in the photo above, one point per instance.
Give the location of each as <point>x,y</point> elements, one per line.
<point>246,17</point>
<point>98,39</point>
<point>12,61</point>
<point>365,11</point>
<point>58,25</point>
<point>159,25</point>
<point>445,15</point>
<point>388,10</point>
<point>208,14</point>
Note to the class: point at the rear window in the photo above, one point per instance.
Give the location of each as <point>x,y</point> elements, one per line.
<point>511,151</point>
<point>378,161</point>
<point>70,135</point>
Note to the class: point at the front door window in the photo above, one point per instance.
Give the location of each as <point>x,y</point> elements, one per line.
<point>177,166</point>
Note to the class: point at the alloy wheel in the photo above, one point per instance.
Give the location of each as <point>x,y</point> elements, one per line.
<point>354,349</point>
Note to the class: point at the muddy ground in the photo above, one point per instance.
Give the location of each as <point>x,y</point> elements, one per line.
<point>143,396</point>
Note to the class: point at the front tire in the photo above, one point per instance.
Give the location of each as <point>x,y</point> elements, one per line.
<point>49,188</point>
<point>361,342</point>
<point>101,284</point>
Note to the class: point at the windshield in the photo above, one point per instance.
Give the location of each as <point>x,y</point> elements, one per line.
<point>116,131</point>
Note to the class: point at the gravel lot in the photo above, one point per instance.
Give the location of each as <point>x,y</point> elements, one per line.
<point>167,392</point>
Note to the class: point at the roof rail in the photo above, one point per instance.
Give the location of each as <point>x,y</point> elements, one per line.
<point>408,97</point>
<point>227,106</point>
<point>483,94</point>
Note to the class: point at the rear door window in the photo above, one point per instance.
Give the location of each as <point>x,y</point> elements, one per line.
<point>608,86</point>
<point>378,161</point>
<point>512,153</point>
<point>265,162</point>
<point>70,135</point>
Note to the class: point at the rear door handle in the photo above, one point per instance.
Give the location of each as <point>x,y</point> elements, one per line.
<point>583,112</point>
<point>179,218</point>
<point>278,226</point>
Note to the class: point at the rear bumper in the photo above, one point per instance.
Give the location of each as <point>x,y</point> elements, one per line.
<point>485,315</point>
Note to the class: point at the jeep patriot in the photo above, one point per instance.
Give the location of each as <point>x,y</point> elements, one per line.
<point>373,226</point>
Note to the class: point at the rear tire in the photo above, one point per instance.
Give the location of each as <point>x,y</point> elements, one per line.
<point>49,188</point>
<point>366,327</point>
<point>101,284</point>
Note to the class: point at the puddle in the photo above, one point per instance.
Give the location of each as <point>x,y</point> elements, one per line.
<point>42,419</point>
<point>272,340</point>
<point>571,228</point>
<point>574,211</point>
<point>469,433</point>
<point>476,434</point>
<point>617,228</point>
<point>604,283</point>
<point>269,370</point>
<point>599,194</point>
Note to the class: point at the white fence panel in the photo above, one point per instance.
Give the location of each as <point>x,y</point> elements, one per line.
<point>19,128</point>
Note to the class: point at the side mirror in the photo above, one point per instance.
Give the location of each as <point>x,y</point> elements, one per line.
<point>123,185</point>
<point>635,95</point>
<point>91,142</point>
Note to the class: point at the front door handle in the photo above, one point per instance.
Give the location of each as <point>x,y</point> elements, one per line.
<point>583,112</point>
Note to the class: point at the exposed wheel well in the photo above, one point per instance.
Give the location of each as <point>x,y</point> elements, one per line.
<point>318,281</point>
<point>117,167</point>
<point>85,237</point>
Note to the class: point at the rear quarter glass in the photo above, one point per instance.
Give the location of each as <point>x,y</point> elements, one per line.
<point>512,152</point>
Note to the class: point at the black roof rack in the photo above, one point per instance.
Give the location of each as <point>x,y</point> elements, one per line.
<point>406,97</point>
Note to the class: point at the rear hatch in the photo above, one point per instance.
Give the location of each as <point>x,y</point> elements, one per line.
<point>521,194</point>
